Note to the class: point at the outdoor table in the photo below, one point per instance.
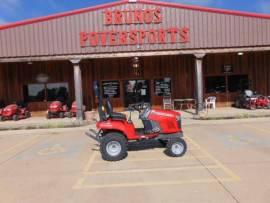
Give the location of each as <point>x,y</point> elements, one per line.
<point>188,102</point>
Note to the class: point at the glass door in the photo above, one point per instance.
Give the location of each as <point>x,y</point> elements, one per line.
<point>136,91</point>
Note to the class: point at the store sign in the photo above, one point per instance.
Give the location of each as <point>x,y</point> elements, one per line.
<point>132,36</point>
<point>227,68</point>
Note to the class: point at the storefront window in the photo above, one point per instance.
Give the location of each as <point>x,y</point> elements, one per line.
<point>45,92</point>
<point>237,83</point>
<point>136,91</point>
<point>215,84</point>
<point>34,92</point>
<point>57,91</point>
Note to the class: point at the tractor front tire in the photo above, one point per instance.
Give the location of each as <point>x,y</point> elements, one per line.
<point>48,116</point>
<point>113,147</point>
<point>176,147</point>
<point>62,115</point>
<point>15,117</point>
<point>69,114</point>
<point>27,114</point>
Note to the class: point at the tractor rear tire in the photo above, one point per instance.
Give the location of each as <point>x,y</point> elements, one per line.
<point>15,117</point>
<point>113,147</point>
<point>176,147</point>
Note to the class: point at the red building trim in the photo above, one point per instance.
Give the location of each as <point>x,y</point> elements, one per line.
<point>156,3</point>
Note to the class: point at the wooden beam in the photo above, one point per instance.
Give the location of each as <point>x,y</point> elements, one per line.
<point>132,54</point>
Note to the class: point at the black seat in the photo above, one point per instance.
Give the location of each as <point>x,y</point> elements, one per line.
<point>114,115</point>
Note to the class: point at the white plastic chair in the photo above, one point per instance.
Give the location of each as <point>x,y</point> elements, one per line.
<point>168,103</point>
<point>210,102</point>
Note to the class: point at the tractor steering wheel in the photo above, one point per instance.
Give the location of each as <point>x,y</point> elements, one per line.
<point>138,106</point>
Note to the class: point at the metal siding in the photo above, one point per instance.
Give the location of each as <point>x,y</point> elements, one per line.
<point>61,36</point>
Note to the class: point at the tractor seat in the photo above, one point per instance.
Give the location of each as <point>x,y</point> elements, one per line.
<point>114,115</point>
<point>118,116</point>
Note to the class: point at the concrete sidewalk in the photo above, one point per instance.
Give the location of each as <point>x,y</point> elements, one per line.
<point>225,113</point>
<point>189,118</point>
<point>38,122</point>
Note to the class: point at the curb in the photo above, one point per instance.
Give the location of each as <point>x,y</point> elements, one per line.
<point>45,126</point>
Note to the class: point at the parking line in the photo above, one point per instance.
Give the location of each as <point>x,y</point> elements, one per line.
<point>160,183</point>
<point>90,162</point>
<point>80,184</point>
<point>151,170</point>
<point>87,167</point>
<point>218,163</point>
<point>19,144</point>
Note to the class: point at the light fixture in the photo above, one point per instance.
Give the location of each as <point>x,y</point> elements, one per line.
<point>136,66</point>
<point>240,53</point>
<point>42,78</point>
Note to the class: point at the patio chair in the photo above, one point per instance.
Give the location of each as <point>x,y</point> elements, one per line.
<point>210,102</point>
<point>168,103</point>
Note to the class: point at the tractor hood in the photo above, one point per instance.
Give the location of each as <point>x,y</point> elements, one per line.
<point>166,113</point>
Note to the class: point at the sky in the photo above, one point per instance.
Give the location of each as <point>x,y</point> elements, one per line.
<point>17,10</point>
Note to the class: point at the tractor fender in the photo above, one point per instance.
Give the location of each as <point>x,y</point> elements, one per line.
<point>127,129</point>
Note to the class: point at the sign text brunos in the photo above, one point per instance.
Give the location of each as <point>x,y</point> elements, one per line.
<point>134,36</point>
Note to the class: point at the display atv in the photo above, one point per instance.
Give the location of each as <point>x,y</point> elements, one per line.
<point>250,100</point>
<point>15,112</point>
<point>116,132</point>
<point>57,109</point>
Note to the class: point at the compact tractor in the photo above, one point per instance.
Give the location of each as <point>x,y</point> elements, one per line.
<point>116,132</point>
<point>15,112</point>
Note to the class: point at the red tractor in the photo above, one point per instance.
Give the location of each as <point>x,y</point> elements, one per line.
<point>116,133</point>
<point>14,112</point>
<point>57,109</point>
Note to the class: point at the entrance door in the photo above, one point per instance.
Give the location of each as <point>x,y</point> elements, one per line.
<point>136,91</point>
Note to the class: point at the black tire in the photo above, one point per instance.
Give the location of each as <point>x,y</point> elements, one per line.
<point>15,117</point>
<point>113,140</point>
<point>1,118</point>
<point>69,114</point>
<point>61,115</point>
<point>48,116</point>
<point>237,104</point>
<point>174,143</point>
<point>27,114</point>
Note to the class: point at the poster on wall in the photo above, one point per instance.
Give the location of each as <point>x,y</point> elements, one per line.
<point>111,89</point>
<point>163,87</point>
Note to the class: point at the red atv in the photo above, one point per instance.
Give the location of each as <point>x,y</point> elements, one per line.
<point>14,112</point>
<point>262,102</point>
<point>116,132</point>
<point>250,100</point>
<point>57,109</point>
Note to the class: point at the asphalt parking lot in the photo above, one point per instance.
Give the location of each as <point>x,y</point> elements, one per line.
<point>226,161</point>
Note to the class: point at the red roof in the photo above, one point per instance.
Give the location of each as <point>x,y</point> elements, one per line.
<point>156,3</point>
